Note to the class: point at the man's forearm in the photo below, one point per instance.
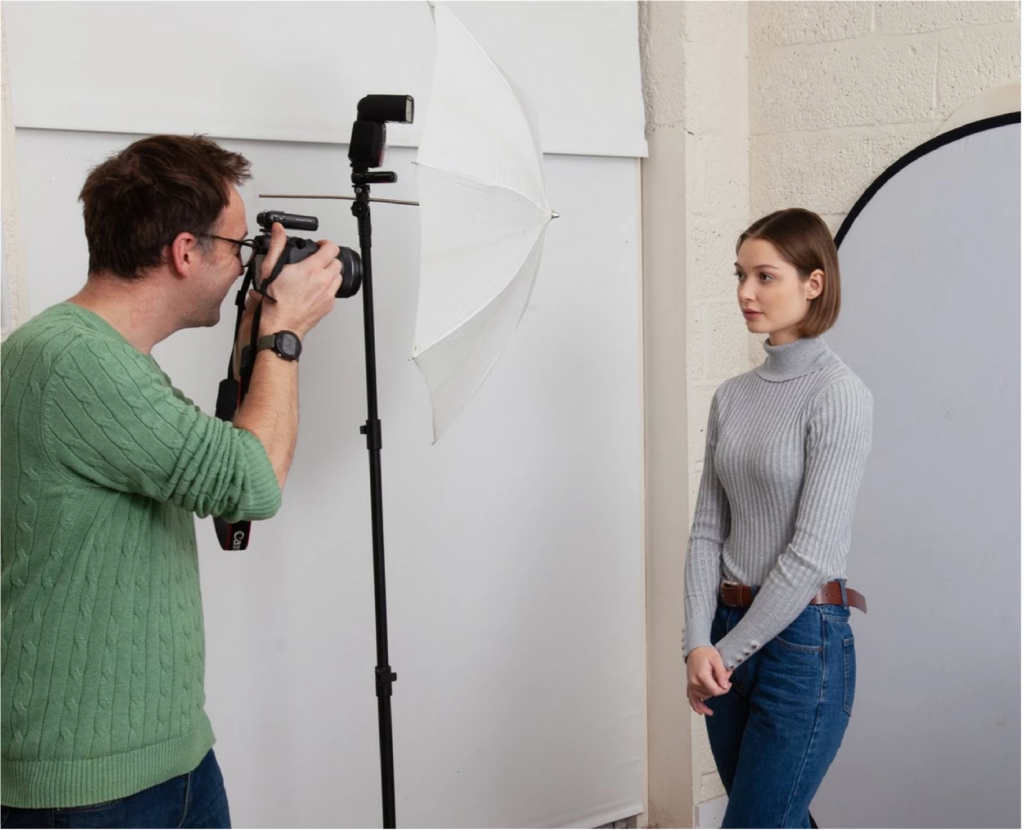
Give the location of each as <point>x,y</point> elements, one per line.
<point>270,410</point>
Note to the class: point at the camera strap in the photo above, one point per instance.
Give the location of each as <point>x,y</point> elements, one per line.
<point>230,394</point>
<point>282,260</point>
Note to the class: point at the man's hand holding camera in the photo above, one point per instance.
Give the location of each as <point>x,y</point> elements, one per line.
<point>301,296</point>
<point>304,292</point>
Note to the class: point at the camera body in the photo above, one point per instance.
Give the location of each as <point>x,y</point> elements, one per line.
<point>297,249</point>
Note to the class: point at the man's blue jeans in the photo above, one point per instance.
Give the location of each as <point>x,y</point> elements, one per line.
<point>196,799</point>
<point>776,731</point>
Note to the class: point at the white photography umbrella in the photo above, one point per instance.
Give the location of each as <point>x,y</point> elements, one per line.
<point>483,216</point>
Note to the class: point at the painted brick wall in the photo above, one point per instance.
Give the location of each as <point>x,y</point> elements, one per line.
<point>840,90</point>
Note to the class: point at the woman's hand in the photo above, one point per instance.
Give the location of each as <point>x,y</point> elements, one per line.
<point>705,677</point>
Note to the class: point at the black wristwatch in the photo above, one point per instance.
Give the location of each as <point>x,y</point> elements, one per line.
<point>286,344</point>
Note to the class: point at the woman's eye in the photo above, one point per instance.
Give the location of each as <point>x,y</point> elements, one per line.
<point>738,276</point>
<point>766,277</point>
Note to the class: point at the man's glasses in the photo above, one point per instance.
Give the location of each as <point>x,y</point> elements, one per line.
<point>241,243</point>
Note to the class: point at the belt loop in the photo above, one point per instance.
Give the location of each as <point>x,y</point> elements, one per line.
<point>842,591</point>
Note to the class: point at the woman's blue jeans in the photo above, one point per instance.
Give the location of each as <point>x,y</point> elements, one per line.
<point>776,731</point>
<point>196,799</point>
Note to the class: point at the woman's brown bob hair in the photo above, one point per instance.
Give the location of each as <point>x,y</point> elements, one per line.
<point>806,243</point>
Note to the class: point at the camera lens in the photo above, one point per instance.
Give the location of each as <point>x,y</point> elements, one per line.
<point>351,273</point>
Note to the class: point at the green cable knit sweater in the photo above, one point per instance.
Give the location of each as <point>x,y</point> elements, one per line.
<point>103,463</point>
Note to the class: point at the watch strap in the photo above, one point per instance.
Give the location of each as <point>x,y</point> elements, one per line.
<point>267,341</point>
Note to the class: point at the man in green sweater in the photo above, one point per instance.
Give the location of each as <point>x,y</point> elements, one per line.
<point>103,464</point>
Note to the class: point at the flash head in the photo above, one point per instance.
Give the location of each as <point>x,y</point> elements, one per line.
<point>381,108</point>
<point>369,133</point>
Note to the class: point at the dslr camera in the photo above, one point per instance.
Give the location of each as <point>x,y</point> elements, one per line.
<point>297,249</point>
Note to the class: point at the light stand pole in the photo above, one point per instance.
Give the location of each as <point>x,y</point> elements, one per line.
<point>366,152</point>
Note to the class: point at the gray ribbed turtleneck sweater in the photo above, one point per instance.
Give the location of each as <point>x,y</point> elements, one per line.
<point>786,447</point>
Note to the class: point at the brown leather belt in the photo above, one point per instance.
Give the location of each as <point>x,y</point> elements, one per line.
<point>740,596</point>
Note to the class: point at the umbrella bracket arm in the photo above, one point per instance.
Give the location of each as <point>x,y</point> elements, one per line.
<point>367,177</point>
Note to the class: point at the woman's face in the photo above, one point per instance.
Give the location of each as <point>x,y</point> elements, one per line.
<point>773,298</point>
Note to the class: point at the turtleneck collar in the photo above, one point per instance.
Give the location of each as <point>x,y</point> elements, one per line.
<point>796,359</point>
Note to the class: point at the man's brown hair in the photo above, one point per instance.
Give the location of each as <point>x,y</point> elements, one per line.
<point>806,243</point>
<point>136,202</point>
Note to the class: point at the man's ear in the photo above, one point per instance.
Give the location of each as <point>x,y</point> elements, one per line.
<point>183,254</point>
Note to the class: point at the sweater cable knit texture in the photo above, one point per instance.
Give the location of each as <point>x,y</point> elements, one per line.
<point>103,463</point>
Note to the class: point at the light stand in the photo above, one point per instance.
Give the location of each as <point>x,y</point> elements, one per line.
<point>366,151</point>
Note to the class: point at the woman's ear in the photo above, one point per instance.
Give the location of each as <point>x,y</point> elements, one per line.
<point>815,284</point>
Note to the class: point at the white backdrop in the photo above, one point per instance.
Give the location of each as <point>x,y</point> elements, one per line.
<point>294,71</point>
<point>514,546</point>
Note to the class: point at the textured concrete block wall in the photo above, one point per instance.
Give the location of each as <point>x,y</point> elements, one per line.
<point>840,90</point>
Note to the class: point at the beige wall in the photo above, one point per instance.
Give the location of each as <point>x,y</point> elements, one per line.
<point>752,107</point>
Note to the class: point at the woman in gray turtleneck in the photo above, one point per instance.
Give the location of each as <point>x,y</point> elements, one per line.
<point>768,645</point>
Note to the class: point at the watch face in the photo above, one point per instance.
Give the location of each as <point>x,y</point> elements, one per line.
<point>288,344</point>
